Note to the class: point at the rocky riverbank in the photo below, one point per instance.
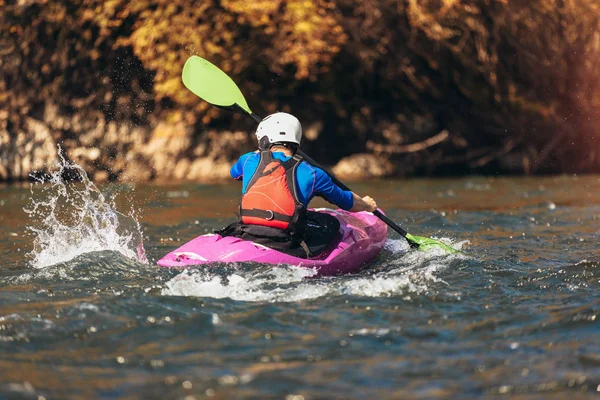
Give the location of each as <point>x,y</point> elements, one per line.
<point>382,87</point>
<point>118,152</point>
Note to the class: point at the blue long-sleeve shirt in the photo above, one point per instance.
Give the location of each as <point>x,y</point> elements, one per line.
<point>310,180</point>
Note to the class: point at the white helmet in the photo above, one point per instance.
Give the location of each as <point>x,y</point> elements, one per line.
<point>280,127</point>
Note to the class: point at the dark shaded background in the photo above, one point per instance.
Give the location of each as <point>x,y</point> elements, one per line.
<point>401,87</point>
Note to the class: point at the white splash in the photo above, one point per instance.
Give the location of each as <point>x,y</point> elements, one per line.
<point>406,272</point>
<point>70,219</point>
<point>270,286</point>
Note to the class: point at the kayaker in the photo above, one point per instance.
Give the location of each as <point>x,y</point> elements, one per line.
<point>277,188</point>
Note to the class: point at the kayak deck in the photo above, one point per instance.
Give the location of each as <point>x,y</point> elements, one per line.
<point>362,236</point>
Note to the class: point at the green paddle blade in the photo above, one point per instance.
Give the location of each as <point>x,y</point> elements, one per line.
<point>426,244</point>
<point>212,85</point>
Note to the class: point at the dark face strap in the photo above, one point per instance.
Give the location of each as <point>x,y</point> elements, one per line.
<point>264,143</point>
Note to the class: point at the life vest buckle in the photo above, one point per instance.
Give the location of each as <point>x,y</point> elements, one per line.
<point>271,216</point>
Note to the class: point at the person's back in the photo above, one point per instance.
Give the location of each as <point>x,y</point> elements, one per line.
<point>310,181</point>
<point>277,188</point>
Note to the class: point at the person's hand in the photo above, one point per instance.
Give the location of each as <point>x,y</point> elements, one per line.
<point>371,204</point>
<point>363,203</point>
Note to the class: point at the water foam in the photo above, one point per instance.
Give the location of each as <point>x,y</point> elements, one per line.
<point>403,272</point>
<point>270,284</point>
<point>70,219</point>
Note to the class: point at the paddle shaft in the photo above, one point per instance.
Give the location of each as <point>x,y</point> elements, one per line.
<point>335,180</point>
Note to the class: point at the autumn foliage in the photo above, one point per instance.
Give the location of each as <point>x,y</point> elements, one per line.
<point>430,86</point>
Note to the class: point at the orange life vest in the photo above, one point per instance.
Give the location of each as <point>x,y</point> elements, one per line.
<point>271,198</point>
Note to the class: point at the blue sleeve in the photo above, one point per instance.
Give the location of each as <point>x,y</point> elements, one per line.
<point>237,171</point>
<point>328,190</point>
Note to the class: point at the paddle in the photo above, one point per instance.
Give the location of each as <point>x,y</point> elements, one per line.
<point>214,86</point>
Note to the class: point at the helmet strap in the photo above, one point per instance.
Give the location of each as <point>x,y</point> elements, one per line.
<point>264,143</point>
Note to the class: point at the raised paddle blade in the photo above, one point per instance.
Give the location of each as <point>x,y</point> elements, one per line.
<point>212,85</point>
<point>425,244</point>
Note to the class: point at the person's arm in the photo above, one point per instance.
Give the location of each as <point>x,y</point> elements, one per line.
<point>363,204</point>
<point>237,170</point>
<point>344,199</point>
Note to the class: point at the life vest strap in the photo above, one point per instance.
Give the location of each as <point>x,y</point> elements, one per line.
<point>256,204</point>
<point>266,214</point>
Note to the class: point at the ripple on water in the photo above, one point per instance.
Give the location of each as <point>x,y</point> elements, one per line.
<point>519,318</point>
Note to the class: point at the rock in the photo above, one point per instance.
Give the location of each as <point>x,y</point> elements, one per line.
<point>517,162</point>
<point>182,169</point>
<point>167,145</point>
<point>101,176</point>
<point>207,169</point>
<point>360,166</point>
<point>29,149</point>
<point>86,158</point>
<point>228,145</point>
<point>83,153</point>
<point>109,149</point>
<point>137,169</point>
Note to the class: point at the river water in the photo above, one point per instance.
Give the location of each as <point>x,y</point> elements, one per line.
<point>86,313</point>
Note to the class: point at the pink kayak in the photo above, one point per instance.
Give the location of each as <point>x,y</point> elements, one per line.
<point>362,238</point>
